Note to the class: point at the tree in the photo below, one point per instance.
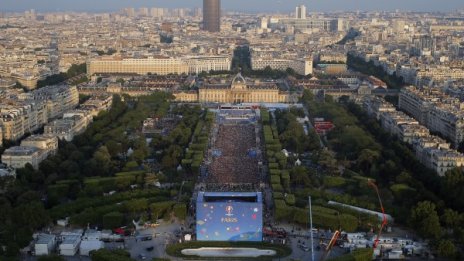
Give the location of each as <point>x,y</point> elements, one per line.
<point>114,148</point>
<point>446,248</point>
<point>110,255</point>
<point>102,159</point>
<point>136,205</point>
<point>452,185</point>
<point>425,219</point>
<point>451,219</point>
<point>366,158</point>
<point>112,220</point>
<point>300,176</point>
<point>326,160</point>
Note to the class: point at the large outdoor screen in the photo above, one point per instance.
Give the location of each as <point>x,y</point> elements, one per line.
<point>229,219</point>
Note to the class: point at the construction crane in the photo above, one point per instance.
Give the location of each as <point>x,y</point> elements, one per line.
<point>384,217</point>
<point>337,233</point>
<point>333,240</point>
<point>330,245</point>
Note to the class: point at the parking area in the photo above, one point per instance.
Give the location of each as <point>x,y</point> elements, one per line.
<point>140,246</point>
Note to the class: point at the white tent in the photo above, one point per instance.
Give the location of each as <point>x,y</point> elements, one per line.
<point>89,245</point>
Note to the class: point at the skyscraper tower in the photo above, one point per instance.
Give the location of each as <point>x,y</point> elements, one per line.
<point>212,15</point>
<point>300,12</point>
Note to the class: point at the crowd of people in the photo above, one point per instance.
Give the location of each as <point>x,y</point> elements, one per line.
<point>234,165</point>
<point>242,187</point>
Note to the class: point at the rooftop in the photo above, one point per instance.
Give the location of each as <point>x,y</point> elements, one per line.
<point>20,151</point>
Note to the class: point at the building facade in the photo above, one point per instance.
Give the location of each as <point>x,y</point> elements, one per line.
<point>209,63</point>
<point>300,12</point>
<point>58,99</point>
<point>237,91</point>
<point>432,151</point>
<point>300,66</point>
<point>159,66</point>
<point>435,110</point>
<point>19,156</point>
<point>115,65</point>
<point>20,117</point>
<point>67,128</point>
<point>47,143</point>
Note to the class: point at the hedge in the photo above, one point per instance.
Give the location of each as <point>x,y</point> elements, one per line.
<point>347,222</point>
<point>93,216</point>
<point>162,209</point>
<point>180,211</point>
<point>274,166</point>
<point>278,195</point>
<point>290,199</point>
<point>274,147</point>
<point>326,218</point>
<point>277,187</point>
<point>274,172</point>
<point>275,179</point>
<point>402,190</point>
<point>77,206</point>
<point>334,181</point>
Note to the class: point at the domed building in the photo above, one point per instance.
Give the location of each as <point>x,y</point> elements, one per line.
<point>239,90</point>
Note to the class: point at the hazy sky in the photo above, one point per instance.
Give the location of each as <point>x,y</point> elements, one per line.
<point>242,5</point>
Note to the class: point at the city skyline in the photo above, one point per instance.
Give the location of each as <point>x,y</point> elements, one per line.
<point>239,5</point>
<point>176,129</point>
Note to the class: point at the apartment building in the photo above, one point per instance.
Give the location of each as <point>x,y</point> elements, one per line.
<point>333,58</point>
<point>435,110</point>
<point>58,99</point>
<point>327,25</point>
<point>67,128</point>
<point>448,121</point>
<point>208,63</point>
<point>47,143</point>
<point>95,104</point>
<point>158,65</point>
<point>20,117</point>
<point>432,151</point>
<point>416,104</point>
<point>19,156</point>
<point>374,106</point>
<point>442,160</point>
<point>300,66</point>
<point>392,122</point>
<point>410,132</point>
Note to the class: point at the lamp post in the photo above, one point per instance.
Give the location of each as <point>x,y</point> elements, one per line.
<point>311,227</point>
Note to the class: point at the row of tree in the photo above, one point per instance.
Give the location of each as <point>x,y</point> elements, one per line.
<point>73,71</point>
<point>100,151</point>
<point>413,194</point>
<point>369,68</point>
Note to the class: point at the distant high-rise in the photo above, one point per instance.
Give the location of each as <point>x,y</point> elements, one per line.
<point>212,15</point>
<point>197,12</point>
<point>157,12</point>
<point>143,11</point>
<point>300,12</point>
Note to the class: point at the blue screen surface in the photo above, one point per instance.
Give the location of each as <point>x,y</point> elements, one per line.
<point>229,221</point>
